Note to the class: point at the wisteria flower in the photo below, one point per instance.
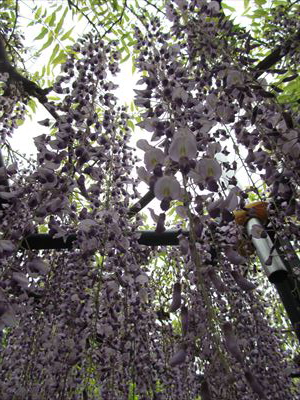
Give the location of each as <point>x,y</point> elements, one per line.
<point>242,282</point>
<point>167,187</point>
<point>7,315</point>
<point>184,144</point>
<point>234,257</point>
<point>176,297</point>
<point>255,384</point>
<point>37,265</point>
<point>143,174</point>
<point>231,342</point>
<point>153,157</point>
<point>6,247</point>
<point>206,169</point>
<point>225,113</point>
<point>234,78</point>
<point>143,145</point>
<point>179,357</point>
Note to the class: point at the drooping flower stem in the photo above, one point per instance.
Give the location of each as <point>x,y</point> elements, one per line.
<point>212,322</point>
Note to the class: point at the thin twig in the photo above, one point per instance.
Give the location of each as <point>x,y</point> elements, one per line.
<point>275,56</point>
<point>156,8</point>
<point>15,21</point>
<point>116,21</point>
<point>139,205</point>
<point>71,4</point>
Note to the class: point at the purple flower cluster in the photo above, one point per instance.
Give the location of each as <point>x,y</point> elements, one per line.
<point>111,319</point>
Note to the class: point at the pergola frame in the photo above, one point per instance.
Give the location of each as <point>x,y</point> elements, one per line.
<point>281,274</point>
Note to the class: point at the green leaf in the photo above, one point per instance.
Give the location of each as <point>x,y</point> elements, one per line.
<point>52,19</point>
<point>290,78</point>
<point>48,43</point>
<point>67,34</point>
<point>228,7</point>
<point>246,12</point>
<point>259,14</point>
<point>130,124</point>
<point>53,98</point>
<point>131,43</point>
<point>260,2</point>
<point>60,59</point>
<point>43,229</point>
<point>60,23</point>
<point>54,53</point>
<point>125,58</point>
<point>115,5</point>
<point>19,122</point>
<point>38,13</point>
<point>133,69</point>
<point>42,34</point>
<point>246,3</point>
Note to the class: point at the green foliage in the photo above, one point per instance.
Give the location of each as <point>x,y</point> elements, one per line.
<point>260,3</point>
<point>227,7</point>
<point>291,94</point>
<point>132,392</point>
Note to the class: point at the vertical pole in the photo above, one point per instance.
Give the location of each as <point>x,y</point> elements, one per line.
<point>277,268</point>
<point>3,179</point>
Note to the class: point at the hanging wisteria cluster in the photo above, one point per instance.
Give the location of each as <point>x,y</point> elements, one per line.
<point>112,319</point>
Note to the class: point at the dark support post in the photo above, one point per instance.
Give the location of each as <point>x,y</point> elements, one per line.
<point>278,270</point>
<point>3,180</point>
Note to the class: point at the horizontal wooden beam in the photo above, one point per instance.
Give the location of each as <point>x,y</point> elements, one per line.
<point>44,241</point>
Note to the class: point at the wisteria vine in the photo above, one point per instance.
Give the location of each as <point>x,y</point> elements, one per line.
<point>112,319</point>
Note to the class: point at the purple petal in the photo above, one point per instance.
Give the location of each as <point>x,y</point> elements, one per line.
<point>176,298</point>
<point>231,342</point>
<point>153,157</point>
<point>234,257</point>
<point>257,231</point>
<point>184,315</point>
<point>160,227</point>
<point>254,384</point>
<point>38,265</point>
<point>21,279</point>
<point>216,281</point>
<point>167,186</point>
<point>184,144</point>
<point>204,391</point>
<point>178,358</point>
<point>242,282</point>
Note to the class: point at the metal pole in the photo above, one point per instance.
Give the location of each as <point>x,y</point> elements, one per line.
<point>277,270</point>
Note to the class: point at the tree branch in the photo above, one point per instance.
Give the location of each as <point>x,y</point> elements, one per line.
<point>15,21</point>
<point>116,21</point>
<point>71,4</point>
<point>139,205</point>
<point>275,56</point>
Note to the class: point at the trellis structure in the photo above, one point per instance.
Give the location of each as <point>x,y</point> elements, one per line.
<point>278,271</point>
<point>277,274</point>
<point>271,251</point>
